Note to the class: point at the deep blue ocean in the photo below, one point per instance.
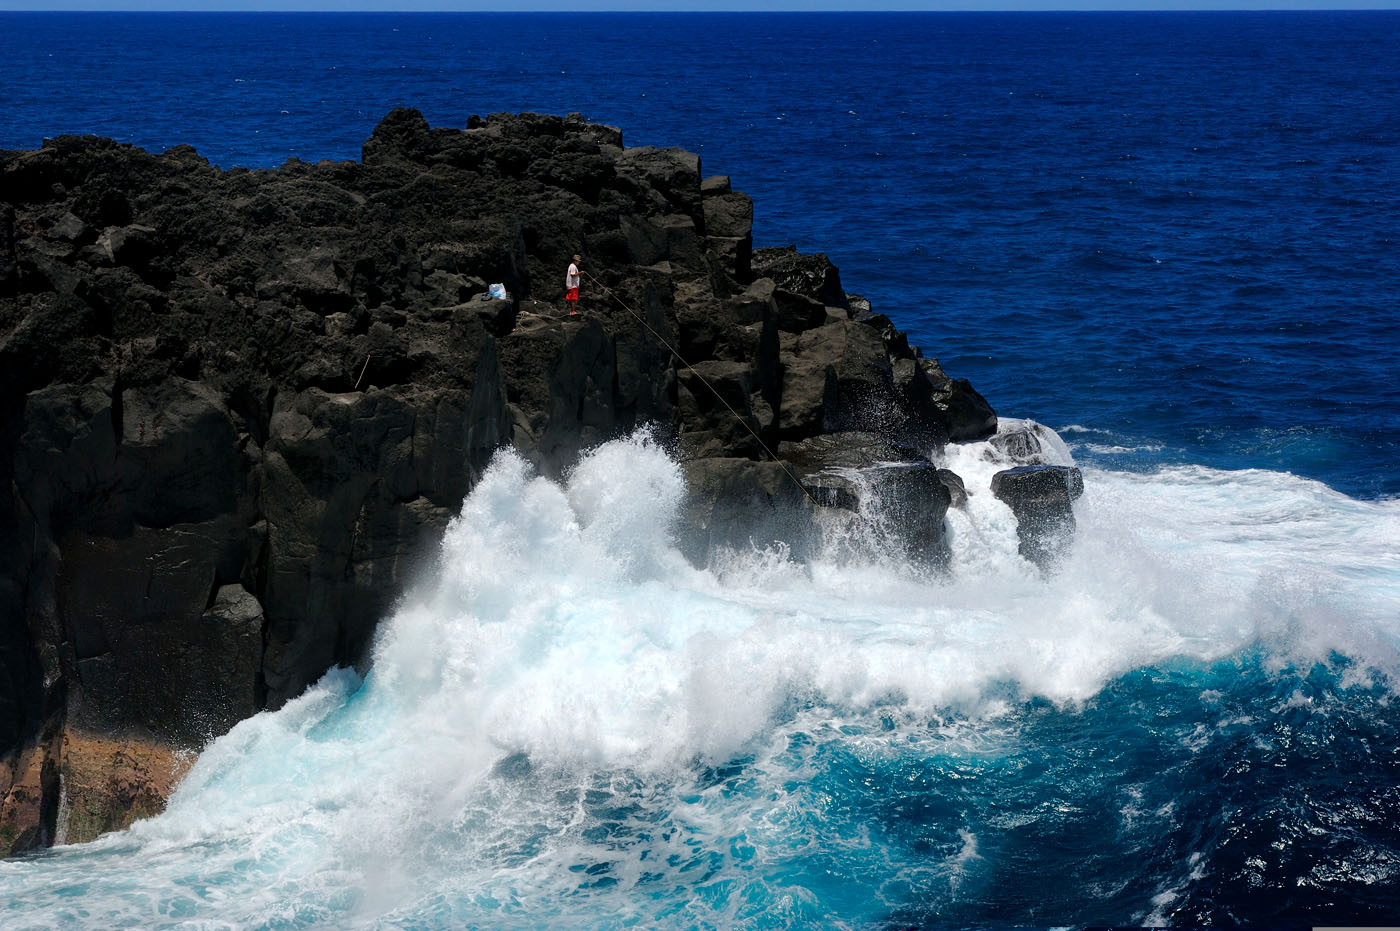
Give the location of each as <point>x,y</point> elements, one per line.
<point>1174,238</point>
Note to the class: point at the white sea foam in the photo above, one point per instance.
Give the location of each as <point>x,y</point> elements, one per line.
<point>1105,449</point>
<point>565,653</point>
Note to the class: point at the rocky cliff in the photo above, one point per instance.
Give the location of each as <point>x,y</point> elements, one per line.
<point>238,407</point>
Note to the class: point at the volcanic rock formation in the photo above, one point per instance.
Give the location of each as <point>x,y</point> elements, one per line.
<point>1042,498</point>
<point>237,408</point>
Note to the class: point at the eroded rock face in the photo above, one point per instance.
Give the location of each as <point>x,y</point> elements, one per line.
<point>237,408</point>
<point>29,793</point>
<point>107,783</point>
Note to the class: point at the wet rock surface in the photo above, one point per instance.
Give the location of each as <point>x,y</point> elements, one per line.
<point>237,408</point>
<point>1042,498</point>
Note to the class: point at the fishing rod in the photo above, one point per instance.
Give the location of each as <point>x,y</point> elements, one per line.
<point>680,358</point>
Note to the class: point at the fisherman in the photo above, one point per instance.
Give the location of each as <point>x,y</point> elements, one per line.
<point>571,283</point>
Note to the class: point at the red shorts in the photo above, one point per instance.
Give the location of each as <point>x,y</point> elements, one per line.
<point>571,295</point>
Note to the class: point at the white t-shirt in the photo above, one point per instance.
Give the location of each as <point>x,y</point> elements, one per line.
<point>571,279</point>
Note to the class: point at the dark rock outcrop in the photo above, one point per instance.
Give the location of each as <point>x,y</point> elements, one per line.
<point>950,409</point>
<point>811,276</point>
<point>957,488</point>
<point>237,408</point>
<point>1041,497</point>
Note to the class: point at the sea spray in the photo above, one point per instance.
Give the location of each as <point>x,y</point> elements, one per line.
<point>569,724</point>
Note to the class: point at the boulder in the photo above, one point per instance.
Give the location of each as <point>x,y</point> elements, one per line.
<point>402,136</point>
<point>1041,497</point>
<point>957,489</point>
<point>812,276</point>
<point>683,247</point>
<point>914,497</point>
<point>733,255</point>
<point>133,245</point>
<point>850,450</point>
<point>496,316</point>
<point>43,265</point>
<point>899,508</point>
<point>714,184</point>
<point>946,409</point>
<point>755,304</point>
<point>861,310</point>
<point>729,227</point>
<point>729,215</point>
<point>71,229</point>
<point>603,135</point>
<point>896,342</point>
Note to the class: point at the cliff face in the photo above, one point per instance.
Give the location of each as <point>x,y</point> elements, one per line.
<point>237,408</point>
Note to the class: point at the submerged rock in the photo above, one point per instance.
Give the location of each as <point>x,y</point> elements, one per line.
<point>1027,442</point>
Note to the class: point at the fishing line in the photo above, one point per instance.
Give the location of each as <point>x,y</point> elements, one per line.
<point>680,358</point>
